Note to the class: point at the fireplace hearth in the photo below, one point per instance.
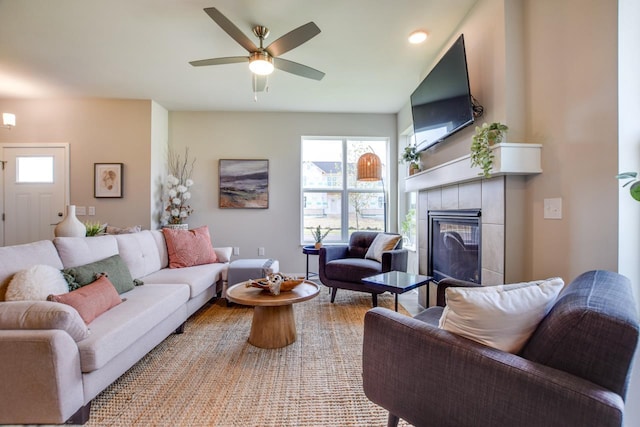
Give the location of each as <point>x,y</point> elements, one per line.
<point>455,244</point>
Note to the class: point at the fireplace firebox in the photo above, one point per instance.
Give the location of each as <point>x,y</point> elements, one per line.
<point>454,244</point>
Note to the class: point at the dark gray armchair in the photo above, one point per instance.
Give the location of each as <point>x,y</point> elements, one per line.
<point>574,370</point>
<point>344,266</point>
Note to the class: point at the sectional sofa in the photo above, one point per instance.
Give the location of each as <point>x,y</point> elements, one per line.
<point>50,368</point>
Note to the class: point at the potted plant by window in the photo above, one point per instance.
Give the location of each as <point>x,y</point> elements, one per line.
<point>632,177</point>
<point>178,191</point>
<point>319,235</point>
<point>485,137</point>
<point>411,155</point>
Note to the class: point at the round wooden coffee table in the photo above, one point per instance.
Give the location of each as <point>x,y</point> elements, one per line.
<point>273,324</point>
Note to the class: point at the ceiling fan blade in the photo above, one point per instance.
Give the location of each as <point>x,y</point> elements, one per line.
<point>259,82</point>
<point>293,39</point>
<point>297,69</point>
<point>220,61</point>
<point>231,29</point>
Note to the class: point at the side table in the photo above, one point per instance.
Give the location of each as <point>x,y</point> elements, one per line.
<point>398,282</point>
<point>310,250</point>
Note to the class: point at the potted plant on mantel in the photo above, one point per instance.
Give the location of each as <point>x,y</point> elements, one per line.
<point>319,235</point>
<point>485,137</point>
<point>411,155</point>
<point>177,191</point>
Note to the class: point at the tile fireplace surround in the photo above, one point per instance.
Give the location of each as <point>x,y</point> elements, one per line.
<point>455,185</point>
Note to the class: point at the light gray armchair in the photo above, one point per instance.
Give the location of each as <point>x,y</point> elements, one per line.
<point>573,371</point>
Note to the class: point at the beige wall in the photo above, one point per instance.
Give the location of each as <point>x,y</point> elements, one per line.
<point>98,131</point>
<point>572,111</point>
<point>212,136</point>
<point>158,160</point>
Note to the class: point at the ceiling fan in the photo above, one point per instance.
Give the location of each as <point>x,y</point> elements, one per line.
<point>262,60</point>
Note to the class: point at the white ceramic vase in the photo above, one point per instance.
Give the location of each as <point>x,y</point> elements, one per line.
<point>70,226</point>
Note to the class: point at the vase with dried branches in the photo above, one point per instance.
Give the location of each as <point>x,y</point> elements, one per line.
<point>177,192</point>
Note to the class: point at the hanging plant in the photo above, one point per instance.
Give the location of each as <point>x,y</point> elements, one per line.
<point>485,137</point>
<point>634,190</point>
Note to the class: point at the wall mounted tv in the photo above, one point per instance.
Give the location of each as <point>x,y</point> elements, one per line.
<point>441,105</point>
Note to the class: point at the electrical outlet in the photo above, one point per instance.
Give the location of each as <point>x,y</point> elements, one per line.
<point>92,210</point>
<point>81,210</point>
<point>260,251</point>
<point>236,250</point>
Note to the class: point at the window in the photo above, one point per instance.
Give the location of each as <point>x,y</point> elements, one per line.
<point>331,195</point>
<point>34,169</point>
<point>407,202</point>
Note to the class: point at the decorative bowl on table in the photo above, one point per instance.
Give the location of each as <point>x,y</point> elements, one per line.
<point>276,283</point>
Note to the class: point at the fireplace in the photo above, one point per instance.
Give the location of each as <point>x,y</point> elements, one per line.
<point>454,244</point>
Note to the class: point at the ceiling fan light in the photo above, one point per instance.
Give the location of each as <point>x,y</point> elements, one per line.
<point>261,63</point>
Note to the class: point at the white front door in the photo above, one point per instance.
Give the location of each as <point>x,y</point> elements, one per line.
<point>36,186</point>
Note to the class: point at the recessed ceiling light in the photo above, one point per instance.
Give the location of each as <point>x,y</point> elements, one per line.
<point>417,37</point>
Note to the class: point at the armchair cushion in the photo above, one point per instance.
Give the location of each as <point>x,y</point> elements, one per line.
<point>351,269</point>
<point>382,243</point>
<point>504,316</point>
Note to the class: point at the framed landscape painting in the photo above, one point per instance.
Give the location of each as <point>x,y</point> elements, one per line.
<point>107,180</point>
<point>244,184</point>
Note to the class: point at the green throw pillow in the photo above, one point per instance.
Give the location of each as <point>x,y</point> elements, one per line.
<point>114,267</point>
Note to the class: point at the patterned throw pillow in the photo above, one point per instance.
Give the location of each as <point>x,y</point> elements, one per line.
<point>91,300</point>
<point>187,248</point>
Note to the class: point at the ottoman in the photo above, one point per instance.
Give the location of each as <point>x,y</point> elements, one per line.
<point>242,270</point>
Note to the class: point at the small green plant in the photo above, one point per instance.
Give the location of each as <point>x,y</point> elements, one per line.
<point>94,228</point>
<point>406,226</point>
<point>411,155</point>
<point>481,153</point>
<point>632,178</point>
<point>318,234</point>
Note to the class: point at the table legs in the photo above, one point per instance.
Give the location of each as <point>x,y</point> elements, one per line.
<point>272,327</point>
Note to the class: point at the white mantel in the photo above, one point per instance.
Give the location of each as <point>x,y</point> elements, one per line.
<point>510,159</point>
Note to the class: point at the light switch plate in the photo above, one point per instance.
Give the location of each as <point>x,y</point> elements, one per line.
<point>553,208</point>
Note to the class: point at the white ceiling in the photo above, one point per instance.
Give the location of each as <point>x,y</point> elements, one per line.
<point>140,49</point>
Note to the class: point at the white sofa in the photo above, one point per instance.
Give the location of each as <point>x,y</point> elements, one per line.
<point>49,377</point>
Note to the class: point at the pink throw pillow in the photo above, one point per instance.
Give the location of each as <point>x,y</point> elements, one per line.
<point>187,248</point>
<point>91,300</point>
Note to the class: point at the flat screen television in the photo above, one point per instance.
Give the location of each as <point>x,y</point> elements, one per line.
<point>441,105</point>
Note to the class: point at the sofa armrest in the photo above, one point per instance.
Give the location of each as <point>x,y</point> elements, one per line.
<point>41,378</point>
<point>428,376</point>
<point>395,260</point>
<point>448,283</point>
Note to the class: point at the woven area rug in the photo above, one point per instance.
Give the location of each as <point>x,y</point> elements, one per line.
<point>211,375</point>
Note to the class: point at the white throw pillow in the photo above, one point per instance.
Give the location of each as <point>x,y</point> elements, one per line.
<point>36,283</point>
<point>382,243</point>
<point>504,316</point>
